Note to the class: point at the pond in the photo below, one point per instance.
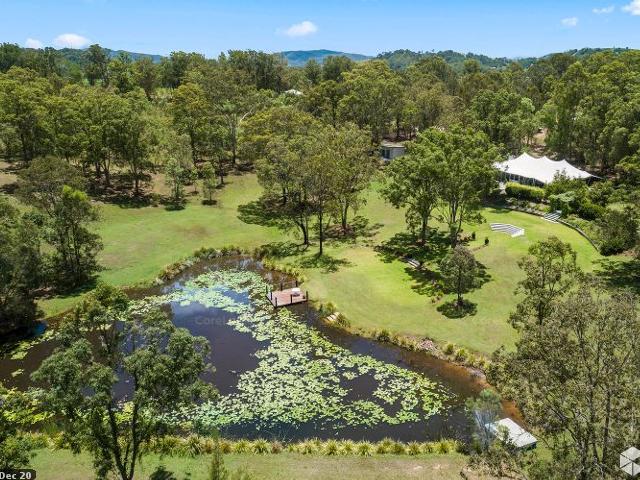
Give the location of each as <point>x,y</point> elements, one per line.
<point>284,373</point>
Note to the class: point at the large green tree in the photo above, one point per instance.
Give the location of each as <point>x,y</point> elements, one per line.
<point>412,182</point>
<point>575,379</point>
<point>464,161</point>
<point>20,267</point>
<point>162,363</point>
<point>372,92</point>
<point>550,271</point>
<point>24,110</point>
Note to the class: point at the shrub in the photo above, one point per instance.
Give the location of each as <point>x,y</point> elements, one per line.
<point>398,448</point>
<point>343,321</point>
<point>381,448</point>
<point>365,449</point>
<point>443,446</point>
<point>525,192</point>
<point>241,446</point>
<point>193,446</point>
<point>276,447</point>
<point>460,355</point>
<point>331,448</point>
<point>449,348</point>
<point>261,446</point>
<point>348,447</point>
<point>384,336</point>
<point>413,448</point>
<point>225,446</point>
<point>307,448</point>
<point>617,231</point>
<point>428,447</point>
<point>589,210</point>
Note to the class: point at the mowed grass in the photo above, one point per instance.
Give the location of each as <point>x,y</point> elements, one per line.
<point>62,465</point>
<point>372,291</point>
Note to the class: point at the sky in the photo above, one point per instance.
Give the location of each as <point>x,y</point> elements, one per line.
<point>495,28</point>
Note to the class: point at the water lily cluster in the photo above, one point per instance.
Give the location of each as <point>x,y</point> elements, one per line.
<point>301,376</point>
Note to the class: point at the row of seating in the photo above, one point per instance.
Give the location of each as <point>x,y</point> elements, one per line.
<point>507,228</point>
<point>553,216</point>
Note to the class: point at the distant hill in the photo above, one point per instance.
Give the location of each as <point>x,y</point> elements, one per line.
<point>297,58</point>
<point>77,55</point>
<point>401,59</point>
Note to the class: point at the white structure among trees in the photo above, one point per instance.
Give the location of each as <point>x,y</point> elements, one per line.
<point>538,171</point>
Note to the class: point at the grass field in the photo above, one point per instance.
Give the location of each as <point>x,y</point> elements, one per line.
<point>373,291</point>
<point>62,465</point>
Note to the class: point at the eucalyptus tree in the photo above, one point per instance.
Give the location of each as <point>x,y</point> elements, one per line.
<point>131,137</point>
<point>412,182</point>
<point>466,174</point>
<point>355,165</point>
<point>575,379</point>
<point>24,109</point>
<point>192,117</point>
<point>506,117</point>
<point>21,267</point>
<point>163,365</point>
<point>146,75</point>
<point>322,101</point>
<point>459,270</point>
<point>96,65</point>
<point>55,188</point>
<point>550,271</point>
<point>372,93</point>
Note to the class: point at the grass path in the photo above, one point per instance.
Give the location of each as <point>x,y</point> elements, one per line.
<point>62,465</point>
<point>373,292</point>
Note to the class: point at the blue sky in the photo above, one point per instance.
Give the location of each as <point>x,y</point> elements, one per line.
<point>496,28</point>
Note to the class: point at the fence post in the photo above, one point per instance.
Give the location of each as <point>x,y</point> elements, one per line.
<point>276,305</point>
<point>291,298</point>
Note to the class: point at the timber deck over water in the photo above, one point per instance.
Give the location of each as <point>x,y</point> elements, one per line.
<point>288,296</point>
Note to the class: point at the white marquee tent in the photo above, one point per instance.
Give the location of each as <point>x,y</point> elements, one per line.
<point>528,169</point>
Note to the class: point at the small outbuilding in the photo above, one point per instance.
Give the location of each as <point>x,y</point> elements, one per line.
<point>530,170</point>
<point>391,150</point>
<point>516,435</point>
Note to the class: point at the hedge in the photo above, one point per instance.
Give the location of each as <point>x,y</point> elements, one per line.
<point>524,192</point>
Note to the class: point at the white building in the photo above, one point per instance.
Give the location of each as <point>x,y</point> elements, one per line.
<point>391,150</point>
<point>515,434</point>
<point>538,171</point>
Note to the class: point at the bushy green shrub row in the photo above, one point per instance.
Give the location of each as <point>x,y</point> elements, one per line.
<point>525,192</point>
<point>195,445</point>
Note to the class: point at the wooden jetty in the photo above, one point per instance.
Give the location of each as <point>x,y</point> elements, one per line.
<point>287,296</point>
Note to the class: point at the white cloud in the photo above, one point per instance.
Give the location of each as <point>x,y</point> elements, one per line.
<point>71,40</point>
<point>633,8</point>
<point>301,29</point>
<point>33,43</point>
<point>570,22</point>
<point>604,10</point>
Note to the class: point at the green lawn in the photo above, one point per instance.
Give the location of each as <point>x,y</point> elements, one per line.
<point>62,465</point>
<point>373,292</point>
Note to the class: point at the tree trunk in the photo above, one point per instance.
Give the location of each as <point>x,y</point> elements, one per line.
<point>345,213</point>
<point>321,231</point>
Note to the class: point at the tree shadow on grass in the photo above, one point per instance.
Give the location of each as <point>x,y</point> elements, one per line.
<point>405,245</point>
<point>452,309</point>
<point>324,262</point>
<point>620,273</point>
<point>260,212</point>
<point>161,473</point>
<point>359,228</point>
<point>282,249</point>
